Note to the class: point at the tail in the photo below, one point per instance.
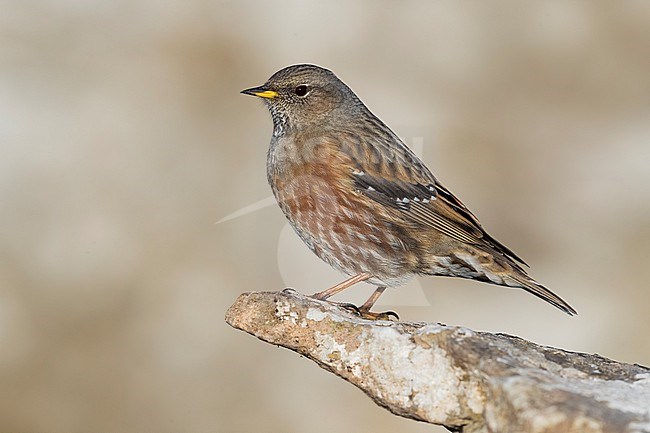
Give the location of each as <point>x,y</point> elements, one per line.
<point>490,266</point>
<point>534,288</point>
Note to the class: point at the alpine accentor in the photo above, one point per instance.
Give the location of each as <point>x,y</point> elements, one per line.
<point>363,201</point>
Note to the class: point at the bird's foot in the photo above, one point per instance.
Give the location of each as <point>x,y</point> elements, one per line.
<point>346,306</point>
<point>364,310</point>
<point>384,315</point>
<point>366,313</point>
<point>290,291</point>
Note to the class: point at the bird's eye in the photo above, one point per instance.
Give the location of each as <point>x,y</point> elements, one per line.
<point>300,90</point>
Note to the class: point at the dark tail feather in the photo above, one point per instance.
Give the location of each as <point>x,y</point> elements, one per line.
<point>534,288</point>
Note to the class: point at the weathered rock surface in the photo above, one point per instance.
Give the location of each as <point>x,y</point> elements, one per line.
<point>467,381</point>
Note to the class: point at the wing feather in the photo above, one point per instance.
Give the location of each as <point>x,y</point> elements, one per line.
<point>395,177</point>
<point>429,205</point>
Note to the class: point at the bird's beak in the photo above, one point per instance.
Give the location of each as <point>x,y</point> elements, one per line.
<point>261,92</point>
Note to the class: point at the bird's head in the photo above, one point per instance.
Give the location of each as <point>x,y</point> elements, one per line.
<point>302,95</point>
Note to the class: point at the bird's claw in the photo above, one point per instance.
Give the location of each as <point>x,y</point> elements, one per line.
<point>367,314</point>
<point>349,307</point>
<point>384,315</point>
<point>289,291</point>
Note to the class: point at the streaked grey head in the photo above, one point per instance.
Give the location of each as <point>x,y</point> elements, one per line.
<point>301,95</point>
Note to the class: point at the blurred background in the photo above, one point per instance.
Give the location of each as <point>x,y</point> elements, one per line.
<point>124,138</point>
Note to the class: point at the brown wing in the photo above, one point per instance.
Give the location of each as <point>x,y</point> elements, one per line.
<point>388,172</point>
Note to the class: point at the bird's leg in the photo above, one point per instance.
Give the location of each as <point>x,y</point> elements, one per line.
<point>328,293</point>
<point>372,299</point>
<point>364,310</point>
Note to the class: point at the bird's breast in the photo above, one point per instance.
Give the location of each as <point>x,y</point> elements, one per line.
<point>316,193</point>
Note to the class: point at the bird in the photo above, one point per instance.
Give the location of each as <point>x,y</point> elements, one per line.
<point>363,202</point>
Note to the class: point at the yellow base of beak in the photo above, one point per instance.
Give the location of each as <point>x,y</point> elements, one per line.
<point>261,92</point>
<point>268,94</point>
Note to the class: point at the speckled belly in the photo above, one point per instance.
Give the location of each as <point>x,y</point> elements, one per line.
<point>343,229</point>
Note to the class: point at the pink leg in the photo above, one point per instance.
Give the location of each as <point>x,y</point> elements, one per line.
<point>328,293</point>
<point>372,299</point>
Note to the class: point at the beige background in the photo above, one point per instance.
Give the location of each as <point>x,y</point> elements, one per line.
<point>124,138</point>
